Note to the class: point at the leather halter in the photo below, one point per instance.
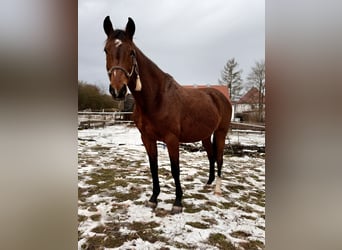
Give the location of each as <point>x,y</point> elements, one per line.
<point>128,74</point>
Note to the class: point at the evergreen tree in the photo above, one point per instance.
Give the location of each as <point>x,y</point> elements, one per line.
<point>231,77</point>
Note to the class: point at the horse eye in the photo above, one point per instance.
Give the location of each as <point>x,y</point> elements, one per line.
<point>105,50</point>
<point>132,53</point>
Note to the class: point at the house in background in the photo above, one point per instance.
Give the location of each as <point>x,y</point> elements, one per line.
<point>248,105</point>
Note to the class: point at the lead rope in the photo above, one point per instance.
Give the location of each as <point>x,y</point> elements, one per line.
<point>138,85</point>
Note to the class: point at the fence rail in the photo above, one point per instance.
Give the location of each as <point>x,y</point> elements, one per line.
<point>101,119</point>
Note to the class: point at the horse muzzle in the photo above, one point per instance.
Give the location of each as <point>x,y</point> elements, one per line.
<point>120,94</point>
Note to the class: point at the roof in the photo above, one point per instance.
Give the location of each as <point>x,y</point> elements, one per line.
<point>223,89</point>
<point>251,97</point>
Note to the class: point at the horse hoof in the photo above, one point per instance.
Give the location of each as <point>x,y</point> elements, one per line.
<point>218,193</point>
<point>176,210</point>
<point>151,204</point>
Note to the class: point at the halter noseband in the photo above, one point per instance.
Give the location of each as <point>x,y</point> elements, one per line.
<point>128,74</point>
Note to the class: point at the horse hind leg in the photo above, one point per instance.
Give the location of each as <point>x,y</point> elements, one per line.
<point>220,137</point>
<point>209,147</point>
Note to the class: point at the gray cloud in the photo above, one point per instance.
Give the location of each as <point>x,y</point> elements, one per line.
<point>191,40</point>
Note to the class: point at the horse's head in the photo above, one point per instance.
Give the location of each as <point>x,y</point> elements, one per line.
<point>121,60</point>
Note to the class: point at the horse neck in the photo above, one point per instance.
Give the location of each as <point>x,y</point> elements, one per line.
<point>152,79</point>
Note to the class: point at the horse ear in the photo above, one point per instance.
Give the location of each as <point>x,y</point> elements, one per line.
<point>130,28</point>
<point>107,26</point>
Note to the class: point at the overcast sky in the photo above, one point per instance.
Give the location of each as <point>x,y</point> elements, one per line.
<point>189,39</point>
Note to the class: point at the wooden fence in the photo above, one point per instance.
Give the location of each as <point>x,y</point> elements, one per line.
<point>101,119</point>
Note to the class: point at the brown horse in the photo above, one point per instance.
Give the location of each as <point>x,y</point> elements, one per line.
<point>165,111</point>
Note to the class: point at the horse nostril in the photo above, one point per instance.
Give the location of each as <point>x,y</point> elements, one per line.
<point>111,90</point>
<point>118,94</point>
<point>123,91</point>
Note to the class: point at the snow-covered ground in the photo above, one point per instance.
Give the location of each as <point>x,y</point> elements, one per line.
<point>115,182</point>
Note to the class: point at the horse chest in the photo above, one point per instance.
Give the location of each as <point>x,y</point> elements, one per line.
<point>154,129</point>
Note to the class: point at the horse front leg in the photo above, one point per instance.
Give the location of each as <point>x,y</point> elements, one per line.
<point>151,149</point>
<point>173,149</point>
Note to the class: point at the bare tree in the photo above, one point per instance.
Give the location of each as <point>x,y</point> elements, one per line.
<point>231,77</point>
<point>256,78</point>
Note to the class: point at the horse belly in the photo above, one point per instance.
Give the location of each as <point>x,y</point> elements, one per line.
<point>197,132</point>
<point>194,137</point>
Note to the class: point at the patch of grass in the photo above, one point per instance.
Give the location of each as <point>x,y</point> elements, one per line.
<point>132,195</point>
<point>92,209</point>
<point>211,221</point>
<point>119,208</point>
<point>139,202</point>
<point>95,242</point>
<point>102,179</point>
<point>190,208</point>
<point>90,161</point>
<point>82,218</point>
<point>114,241</point>
<point>117,239</point>
<point>196,196</point>
<point>198,225</point>
<point>220,241</point>
<point>112,227</point>
<point>240,234</point>
<point>99,148</point>
<point>258,197</point>
<point>137,163</point>
<point>210,203</point>
<point>235,188</point>
<point>141,226</point>
<point>245,198</point>
<point>121,182</point>
<point>82,194</point>
<point>248,217</point>
<point>151,235</point>
<point>139,181</point>
<point>169,201</point>
<point>252,245</point>
<point>203,173</point>
<point>99,229</point>
<point>227,205</point>
<point>89,192</point>
<point>180,245</point>
<point>205,190</point>
<point>105,180</point>
<point>161,212</point>
<point>247,209</point>
<point>114,238</point>
<point>165,173</point>
<point>189,178</point>
<point>95,217</point>
<point>146,231</point>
